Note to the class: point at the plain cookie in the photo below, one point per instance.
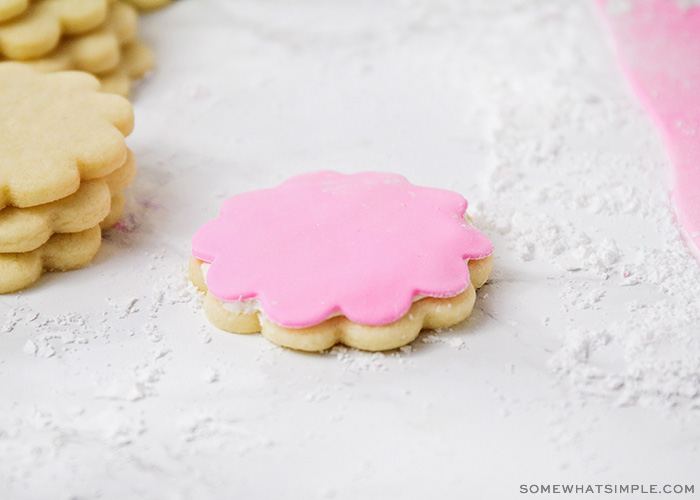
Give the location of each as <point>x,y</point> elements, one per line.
<point>39,28</point>
<point>150,4</point>
<point>136,61</point>
<point>62,252</point>
<point>57,130</point>
<point>98,201</point>
<point>12,8</point>
<point>98,51</point>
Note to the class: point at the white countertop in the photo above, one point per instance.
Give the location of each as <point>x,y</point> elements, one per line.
<point>576,366</point>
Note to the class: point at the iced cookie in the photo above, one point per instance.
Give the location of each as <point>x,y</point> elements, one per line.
<point>38,29</point>
<point>367,260</point>
<point>57,130</point>
<point>62,252</point>
<point>98,201</point>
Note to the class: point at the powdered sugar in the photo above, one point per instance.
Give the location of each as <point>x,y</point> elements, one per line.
<point>113,374</point>
<point>584,213</point>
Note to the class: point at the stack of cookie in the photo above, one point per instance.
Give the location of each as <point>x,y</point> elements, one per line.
<point>63,166</point>
<point>96,36</point>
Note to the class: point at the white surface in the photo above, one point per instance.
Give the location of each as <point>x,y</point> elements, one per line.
<point>579,364</point>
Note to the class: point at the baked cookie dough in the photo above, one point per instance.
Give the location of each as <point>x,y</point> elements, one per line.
<point>37,30</point>
<point>12,8</point>
<point>63,166</point>
<point>62,252</point>
<point>150,4</point>
<point>136,61</point>
<point>97,201</point>
<point>57,130</point>
<point>100,51</point>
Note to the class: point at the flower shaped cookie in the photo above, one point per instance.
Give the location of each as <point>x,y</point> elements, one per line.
<point>12,8</point>
<point>150,4</point>
<point>366,259</point>
<point>136,61</point>
<point>98,51</point>
<point>56,130</point>
<point>38,29</point>
<point>62,252</point>
<point>97,201</point>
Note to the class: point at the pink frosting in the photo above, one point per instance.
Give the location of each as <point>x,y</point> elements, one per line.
<point>363,245</point>
<point>658,44</point>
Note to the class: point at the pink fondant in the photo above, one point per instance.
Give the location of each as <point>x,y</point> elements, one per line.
<point>363,245</point>
<point>658,43</point>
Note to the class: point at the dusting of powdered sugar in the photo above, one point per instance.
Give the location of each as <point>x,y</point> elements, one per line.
<point>114,376</point>
<point>602,230</point>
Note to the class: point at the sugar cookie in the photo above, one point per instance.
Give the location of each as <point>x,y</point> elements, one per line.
<point>150,4</point>
<point>57,129</point>
<point>117,205</point>
<point>38,30</point>
<point>76,16</point>
<point>12,8</point>
<point>366,259</point>
<point>62,252</point>
<point>122,177</point>
<point>98,51</point>
<point>25,229</point>
<point>136,61</point>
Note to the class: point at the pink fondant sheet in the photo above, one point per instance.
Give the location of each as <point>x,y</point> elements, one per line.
<point>658,44</point>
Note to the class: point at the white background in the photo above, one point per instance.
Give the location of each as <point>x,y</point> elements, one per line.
<point>575,367</point>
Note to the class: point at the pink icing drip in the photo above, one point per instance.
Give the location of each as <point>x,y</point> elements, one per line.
<point>363,245</point>
<point>658,44</point>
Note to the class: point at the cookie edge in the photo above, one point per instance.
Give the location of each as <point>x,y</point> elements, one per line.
<point>426,313</point>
